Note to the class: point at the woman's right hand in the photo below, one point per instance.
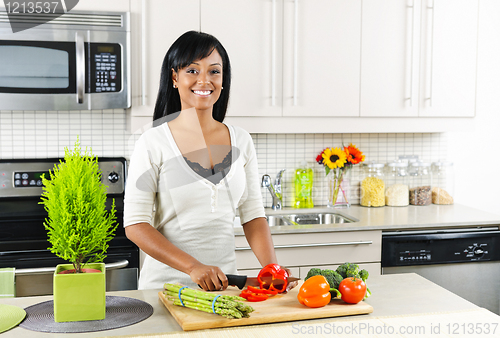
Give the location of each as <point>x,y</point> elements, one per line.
<point>208,277</point>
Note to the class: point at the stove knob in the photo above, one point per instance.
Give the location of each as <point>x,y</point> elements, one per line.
<point>478,252</point>
<point>113,177</point>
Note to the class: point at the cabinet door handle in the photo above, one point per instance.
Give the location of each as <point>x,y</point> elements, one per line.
<point>143,52</point>
<point>80,67</point>
<point>429,51</point>
<point>295,50</point>
<point>292,246</point>
<point>411,28</point>
<point>273,55</point>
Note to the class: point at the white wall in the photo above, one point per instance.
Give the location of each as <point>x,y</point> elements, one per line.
<point>476,153</point>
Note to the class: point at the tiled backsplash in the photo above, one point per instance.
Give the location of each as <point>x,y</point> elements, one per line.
<point>286,151</point>
<point>25,134</point>
<point>45,134</point>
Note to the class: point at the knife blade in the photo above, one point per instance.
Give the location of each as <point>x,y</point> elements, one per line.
<point>241,280</point>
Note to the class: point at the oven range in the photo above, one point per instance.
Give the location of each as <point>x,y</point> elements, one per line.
<point>23,238</point>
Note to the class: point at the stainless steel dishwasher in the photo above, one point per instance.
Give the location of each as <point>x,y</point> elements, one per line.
<point>463,261</point>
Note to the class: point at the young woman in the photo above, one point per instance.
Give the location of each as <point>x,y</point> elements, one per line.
<point>188,175</point>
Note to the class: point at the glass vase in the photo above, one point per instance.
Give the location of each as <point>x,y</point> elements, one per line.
<point>338,183</point>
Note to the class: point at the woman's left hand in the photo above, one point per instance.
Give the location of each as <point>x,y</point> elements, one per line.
<point>291,285</point>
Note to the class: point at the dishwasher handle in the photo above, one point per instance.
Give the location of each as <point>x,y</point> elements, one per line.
<point>37,271</point>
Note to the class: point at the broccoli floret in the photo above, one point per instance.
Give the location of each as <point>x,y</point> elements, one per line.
<point>332,277</point>
<point>313,272</point>
<point>353,271</point>
<point>363,274</point>
<point>348,270</point>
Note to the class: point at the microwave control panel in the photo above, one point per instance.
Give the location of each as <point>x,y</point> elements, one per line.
<point>105,62</point>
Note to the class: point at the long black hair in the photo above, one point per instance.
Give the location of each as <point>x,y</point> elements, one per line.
<point>189,47</point>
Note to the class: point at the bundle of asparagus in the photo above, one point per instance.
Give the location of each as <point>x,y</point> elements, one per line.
<point>226,306</point>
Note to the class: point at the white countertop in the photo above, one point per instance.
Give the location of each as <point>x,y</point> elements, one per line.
<point>391,218</point>
<point>392,295</point>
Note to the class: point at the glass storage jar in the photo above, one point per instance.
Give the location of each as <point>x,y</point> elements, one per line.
<point>421,183</point>
<point>443,182</point>
<point>373,185</point>
<point>397,184</point>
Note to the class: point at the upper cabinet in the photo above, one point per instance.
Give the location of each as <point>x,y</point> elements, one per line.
<point>289,58</point>
<point>321,56</point>
<point>448,58</point>
<point>372,65</point>
<point>251,33</point>
<point>419,58</point>
<point>156,24</point>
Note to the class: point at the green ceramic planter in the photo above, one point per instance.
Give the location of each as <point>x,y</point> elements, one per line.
<point>79,296</point>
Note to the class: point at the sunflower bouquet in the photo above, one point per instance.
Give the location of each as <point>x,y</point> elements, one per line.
<point>337,163</point>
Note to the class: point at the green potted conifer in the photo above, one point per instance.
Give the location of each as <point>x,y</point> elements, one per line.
<point>79,228</point>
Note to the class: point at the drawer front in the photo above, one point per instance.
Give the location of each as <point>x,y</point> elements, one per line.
<point>254,272</point>
<point>372,268</point>
<point>293,250</point>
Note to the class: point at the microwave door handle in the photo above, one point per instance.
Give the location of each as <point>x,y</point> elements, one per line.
<point>80,67</point>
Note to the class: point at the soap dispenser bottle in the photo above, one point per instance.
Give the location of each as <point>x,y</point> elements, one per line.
<point>303,182</point>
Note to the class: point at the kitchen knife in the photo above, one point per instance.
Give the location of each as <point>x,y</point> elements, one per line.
<point>241,280</point>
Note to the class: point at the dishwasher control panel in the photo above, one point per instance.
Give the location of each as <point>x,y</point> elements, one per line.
<point>438,248</point>
<point>415,256</point>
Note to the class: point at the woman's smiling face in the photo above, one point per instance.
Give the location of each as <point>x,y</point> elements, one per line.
<point>200,83</point>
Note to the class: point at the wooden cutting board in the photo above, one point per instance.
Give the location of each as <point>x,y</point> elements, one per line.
<point>279,308</point>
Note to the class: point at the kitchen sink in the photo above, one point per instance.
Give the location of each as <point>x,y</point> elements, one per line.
<point>312,218</point>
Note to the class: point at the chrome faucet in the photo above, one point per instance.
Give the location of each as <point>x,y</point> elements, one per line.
<point>275,189</point>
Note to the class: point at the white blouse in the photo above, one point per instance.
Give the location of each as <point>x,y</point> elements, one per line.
<point>193,213</point>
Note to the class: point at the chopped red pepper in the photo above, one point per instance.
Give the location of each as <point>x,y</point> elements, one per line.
<point>273,277</point>
<point>246,293</point>
<point>257,297</point>
<point>263,291</point>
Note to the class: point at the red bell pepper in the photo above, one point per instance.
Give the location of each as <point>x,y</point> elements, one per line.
<point>273,277</point>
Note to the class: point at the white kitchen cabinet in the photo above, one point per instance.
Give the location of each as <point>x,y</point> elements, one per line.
<point>164,22</point>
<point>418,58</point>
<point>310,66</point>
<point>290,58</point>
<point>448,58</point>
<point>325,250</point>
<point>251,33</point>
<point>321,57</point>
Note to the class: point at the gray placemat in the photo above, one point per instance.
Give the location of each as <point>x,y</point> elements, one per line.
<point>120,312</point>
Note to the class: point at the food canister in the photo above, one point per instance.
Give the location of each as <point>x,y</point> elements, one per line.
<point>443,182</point>
<point>397,184</point>
<point>421,183</point>
<point>373,185</point>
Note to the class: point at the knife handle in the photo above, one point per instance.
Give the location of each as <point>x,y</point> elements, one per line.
<point>237,280</point>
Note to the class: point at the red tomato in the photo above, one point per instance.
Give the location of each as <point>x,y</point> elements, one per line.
<point>353,290</point>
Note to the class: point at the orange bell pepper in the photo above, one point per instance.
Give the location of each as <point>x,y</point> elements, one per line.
<point>315,292</point>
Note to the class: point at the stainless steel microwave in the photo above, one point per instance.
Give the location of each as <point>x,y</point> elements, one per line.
<point>78,61</point>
